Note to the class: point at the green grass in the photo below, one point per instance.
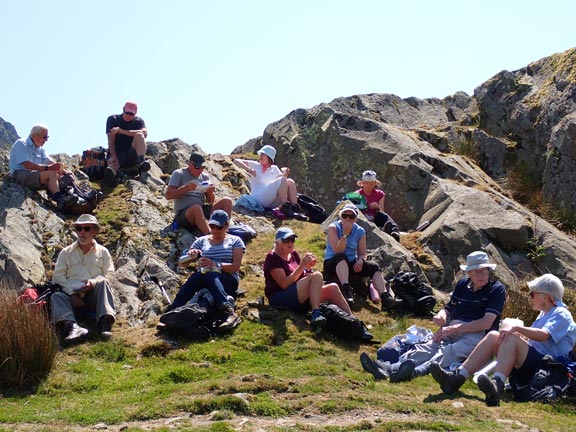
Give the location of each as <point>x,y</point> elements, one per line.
<point>259,374</point>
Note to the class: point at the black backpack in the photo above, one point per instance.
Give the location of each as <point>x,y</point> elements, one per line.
<point>552,381</point>
<point>311,208</point>
<point>344,325</point>
<point>418,298</point>
<point>88,198</point>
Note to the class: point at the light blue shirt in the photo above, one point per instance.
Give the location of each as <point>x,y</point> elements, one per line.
<point>558,322</point>
<point>352,241</point>
<point>24,150</point>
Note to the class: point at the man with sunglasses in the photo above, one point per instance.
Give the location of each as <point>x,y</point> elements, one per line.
<point>81,269</point>
<point>126,134</point>
<point>193,195</point>
<point>31,167</point>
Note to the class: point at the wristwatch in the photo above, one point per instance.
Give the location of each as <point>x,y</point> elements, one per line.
<point>219,266</point>
<point>344,236</point>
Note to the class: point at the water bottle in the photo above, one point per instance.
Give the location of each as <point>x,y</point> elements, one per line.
<point>485,370</point>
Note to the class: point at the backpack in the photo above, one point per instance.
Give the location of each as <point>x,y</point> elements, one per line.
<point>245,232</point>
<point>552,381</point>
<point>93,162</point>
<point>311,208</point>
<point>418,298</point>
<point>344,325</point>
<point>357,199</point>
<point>88,198</point>
<point>38,297</point>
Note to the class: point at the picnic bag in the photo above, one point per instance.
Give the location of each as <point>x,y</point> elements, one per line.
<point>245,232</point>
<point>418,298</point>
<point>88,198</point>
<point>357,199</point>
<point>93,162</point>
<point>311,208</point>
<point>340,323</point>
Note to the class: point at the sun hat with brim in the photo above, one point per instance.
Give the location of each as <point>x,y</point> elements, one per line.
<point>284,233</point>
<point>269,151</point>
<point>368,177</point>
<point>349,208</point>
<point>477,260</point>
<point>549,284</point>
<point>218,218</point>
<point>87,219</point>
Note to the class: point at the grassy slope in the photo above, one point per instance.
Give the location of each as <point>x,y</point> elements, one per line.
<point>270,370</point>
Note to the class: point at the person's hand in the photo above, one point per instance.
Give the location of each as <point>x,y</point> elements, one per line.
<point>505,333</point>
<point>285,171</point>
<point>438,320</point>
<point>114,130</point>
<point>358,265</point>
<point>347,226</point>
<point>205,262</point>
<point>87,286</point>
<point>194,253</point>
<point>192,186</point>
<point>437,336</point>
<point>210,188</point>
<point>375,206</point>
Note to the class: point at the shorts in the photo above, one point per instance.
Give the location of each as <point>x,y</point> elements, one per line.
<point>127,157</point>
<point>368,269</point>
<point>531,365</point>
<point>288,299</point>
<point>28,178</point>
<point>180,216</point>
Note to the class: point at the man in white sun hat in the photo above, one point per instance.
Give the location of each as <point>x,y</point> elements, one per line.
<point>474,309</point>
<point>81,270</point>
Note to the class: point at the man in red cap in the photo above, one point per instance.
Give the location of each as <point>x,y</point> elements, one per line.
<point>126,142</point>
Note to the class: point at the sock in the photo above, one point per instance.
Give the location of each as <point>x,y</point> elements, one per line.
<point>463,372</point>
<point>315,310</point>
<point>500,376</point>
<point>140,159</point>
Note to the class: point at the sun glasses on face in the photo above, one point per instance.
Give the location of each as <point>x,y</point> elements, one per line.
<point>129,113</point>
<point>289,240</point>
<point>87,228</point>
<point>533,293</point>
<point>216,227</point>
<point>348,216</point>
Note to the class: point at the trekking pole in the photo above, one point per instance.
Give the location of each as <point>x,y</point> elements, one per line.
<point>161,286</point>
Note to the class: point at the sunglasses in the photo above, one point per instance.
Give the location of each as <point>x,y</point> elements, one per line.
<point>83,228</point>
<point>215,227</point>
<point>348,216</point>
<point>199,167</point>
<point>45,137</point>
<point>129,113</point>
<point>289,240</point>
<point>533,293</point>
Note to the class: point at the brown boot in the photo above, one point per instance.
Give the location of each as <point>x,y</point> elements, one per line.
<point>231,317</point>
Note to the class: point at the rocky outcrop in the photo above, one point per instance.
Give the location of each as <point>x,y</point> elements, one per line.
<point>7,134</point>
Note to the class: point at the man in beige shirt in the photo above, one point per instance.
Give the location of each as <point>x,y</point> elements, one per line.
<point>81,270</point>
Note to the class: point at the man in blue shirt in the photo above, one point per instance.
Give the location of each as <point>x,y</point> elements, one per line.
<point>31,167</point>
<point>473,310</point>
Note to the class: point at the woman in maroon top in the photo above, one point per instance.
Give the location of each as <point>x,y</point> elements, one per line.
<point>292,283</point>
<point>375,204</point>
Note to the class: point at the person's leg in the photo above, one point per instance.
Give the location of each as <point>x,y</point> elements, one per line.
<point>113,164</point>
<point>213,281</point>
<point>63,318</point>
<point>139,144</point>
<point>224,204</point>
<point>190,287</point>
<point>292,193</point>
<point>457,349</point>
<point>331,293</point>
<point>512,353</point>
<point>486,349</point>
<point>195,217</point>
<point>310,287</point>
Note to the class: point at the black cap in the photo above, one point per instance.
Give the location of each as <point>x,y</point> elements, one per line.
<point>197,159</point>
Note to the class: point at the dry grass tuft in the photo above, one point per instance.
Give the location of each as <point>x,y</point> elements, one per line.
<point>28,346</point>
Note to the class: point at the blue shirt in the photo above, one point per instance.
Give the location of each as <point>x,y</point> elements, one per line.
<point>223,252</point>
<point>468,305</point>
<point>24,150</point>
<point>352,241</point>
<point>558,322</point>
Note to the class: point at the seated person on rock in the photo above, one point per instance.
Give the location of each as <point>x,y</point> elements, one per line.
<point>474,308</point>
<point>31,167</point>
<point>219,257</point>
<point>126,134</point>
<point>292,283</point>
<point>374,212</point>
<point>81,269</point>
<point>269,185</point>
<point>193,195</point>
<point>346,253</point>
<point>519,350</point>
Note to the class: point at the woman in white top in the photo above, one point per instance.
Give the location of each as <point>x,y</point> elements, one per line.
<point>269,185</point>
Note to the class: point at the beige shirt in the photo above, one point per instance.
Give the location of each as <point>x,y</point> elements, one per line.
<point>73,266</point>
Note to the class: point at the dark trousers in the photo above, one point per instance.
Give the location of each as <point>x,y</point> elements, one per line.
<point>220,285</point>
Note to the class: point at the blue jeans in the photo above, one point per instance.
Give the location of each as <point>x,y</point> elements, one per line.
<point>220,285</point>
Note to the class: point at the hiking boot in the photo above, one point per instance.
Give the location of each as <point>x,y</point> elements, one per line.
<point>404,373</point>
<point>109,176</point>
<point>317,320</point>
<point>389,302</point>
<point>286,208</point>
<point>366,335</point>
<point>76,333</point>
<point>66,201</point>
<point>492,388</point>
<point>378,369</point>
<point>396,235</point>
<point>449,382</point>
<point>144,166</point>
<point>105,326</point>
<point>347,292</point>
<point>231,317</point>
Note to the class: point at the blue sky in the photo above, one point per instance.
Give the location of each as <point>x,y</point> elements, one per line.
<point>217,73</point>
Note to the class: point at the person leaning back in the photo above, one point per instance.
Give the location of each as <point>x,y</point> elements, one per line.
<point>193,195</point>
<point>126,142</point>
<point>31,167</point>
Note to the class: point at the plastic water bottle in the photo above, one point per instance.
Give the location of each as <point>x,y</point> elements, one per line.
<point>485,370</point>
